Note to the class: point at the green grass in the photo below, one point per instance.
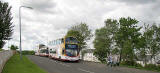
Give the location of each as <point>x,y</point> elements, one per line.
<point>15,65</point>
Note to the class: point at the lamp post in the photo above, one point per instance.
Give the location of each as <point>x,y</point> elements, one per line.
<point>20,45</point>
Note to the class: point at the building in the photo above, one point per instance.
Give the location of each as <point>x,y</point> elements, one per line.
<point>88,55</point>
<point>149,60</point>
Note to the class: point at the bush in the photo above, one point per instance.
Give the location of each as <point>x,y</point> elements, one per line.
<point>127,63</point>
<point>28,52</point>
<point>1,49</point>
<point>14,47</point>
<point>131,63</point>
<point>152,67</point>
<point>158,67</point>
<point>138,65</point>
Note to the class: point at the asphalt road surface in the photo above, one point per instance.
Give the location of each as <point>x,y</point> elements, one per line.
<point>54,66</point>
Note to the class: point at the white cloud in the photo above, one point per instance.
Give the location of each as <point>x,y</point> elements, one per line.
<point>52,18</point>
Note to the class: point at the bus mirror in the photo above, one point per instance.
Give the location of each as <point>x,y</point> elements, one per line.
<point>63,51</point>
<point>62,40</point>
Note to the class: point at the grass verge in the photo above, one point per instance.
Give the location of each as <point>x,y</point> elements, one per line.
<point>15,65</point>
<point>148,67</point>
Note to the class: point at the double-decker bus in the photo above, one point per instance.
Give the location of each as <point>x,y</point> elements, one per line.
<point>42,50</point>
<point>65,49</point>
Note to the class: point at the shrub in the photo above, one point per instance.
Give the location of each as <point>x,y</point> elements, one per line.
<point>138,65</point>
<point>28,52</point>
<point>158,67</point>
<point>152,67</point>
<point>131,63</point>
<point>14,47</point>
<point>1,49</point>
<point>128,63</point>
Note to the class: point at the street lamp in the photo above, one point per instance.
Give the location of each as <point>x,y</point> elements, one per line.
<point>20,28</point>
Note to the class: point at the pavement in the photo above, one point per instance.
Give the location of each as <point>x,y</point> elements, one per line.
<point>54,66</point>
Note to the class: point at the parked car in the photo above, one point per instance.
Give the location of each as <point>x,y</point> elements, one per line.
<point>158,62</point>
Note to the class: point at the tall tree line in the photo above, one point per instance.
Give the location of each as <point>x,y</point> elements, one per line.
<point>124,38</point>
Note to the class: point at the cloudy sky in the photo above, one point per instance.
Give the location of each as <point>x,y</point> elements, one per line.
<point>50,19</point>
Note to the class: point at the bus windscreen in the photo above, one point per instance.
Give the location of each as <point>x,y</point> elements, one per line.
<point>71,46</point>
<point>71,40</point>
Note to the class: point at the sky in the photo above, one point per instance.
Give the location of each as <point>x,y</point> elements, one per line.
<point>50,19</point>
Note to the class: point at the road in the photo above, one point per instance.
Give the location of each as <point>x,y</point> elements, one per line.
<point>54,66</point>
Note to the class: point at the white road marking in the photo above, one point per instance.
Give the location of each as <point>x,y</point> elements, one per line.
<point>64,64</point>
<point>55,61</point>
<point>85,70</point>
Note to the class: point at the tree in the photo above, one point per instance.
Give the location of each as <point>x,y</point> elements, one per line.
<point>13,47</point>
<point>149,42</point>
<point>142,50</point>
<point>6,27</point>
<point>157,38</point>
<point>102,44</point>
<point>153,40</point>
<point>127,37</point>
<point>78,36</point>
<point>104,39</point>
<point>118,37</point>
<point>84,34</point>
